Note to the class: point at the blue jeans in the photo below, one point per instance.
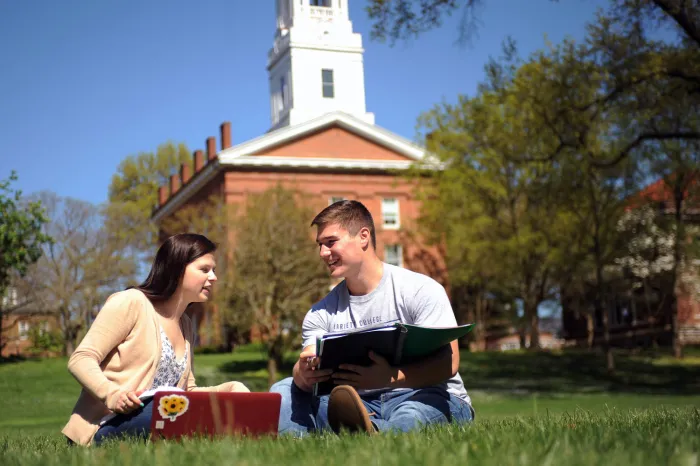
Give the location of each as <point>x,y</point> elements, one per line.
<point>135,424</point>
<point>400,411</point>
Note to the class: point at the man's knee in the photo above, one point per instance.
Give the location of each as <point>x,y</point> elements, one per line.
<point>283,386</point>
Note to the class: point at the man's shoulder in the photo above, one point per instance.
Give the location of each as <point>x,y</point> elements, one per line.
<point>412,281</point>
<point>329,303</point>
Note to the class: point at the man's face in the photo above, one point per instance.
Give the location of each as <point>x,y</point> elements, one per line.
<point>339,250</point>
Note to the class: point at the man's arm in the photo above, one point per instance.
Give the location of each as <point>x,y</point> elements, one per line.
<point>433,370</point>
<point>305,372</point>
<point>299,380</point>
<point>429,307</point>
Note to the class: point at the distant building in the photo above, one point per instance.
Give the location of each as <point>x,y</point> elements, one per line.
<point>638,317</point>
<point>18,320</point>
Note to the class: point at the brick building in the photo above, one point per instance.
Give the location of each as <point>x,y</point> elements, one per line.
<point>641,317</point>
<point>19,319</point>
<point>321,141</point>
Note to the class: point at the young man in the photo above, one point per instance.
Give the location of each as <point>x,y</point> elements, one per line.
<point>379,397</point>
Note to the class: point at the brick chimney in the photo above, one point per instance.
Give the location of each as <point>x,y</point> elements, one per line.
<point>198,160</point>
<point>185,172</point>
<point>211,148</point>
<point>174,184</point>
<point>163,195</point>
<point>225,135</point>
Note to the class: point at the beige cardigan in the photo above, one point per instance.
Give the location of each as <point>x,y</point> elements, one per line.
<point>121,351</point>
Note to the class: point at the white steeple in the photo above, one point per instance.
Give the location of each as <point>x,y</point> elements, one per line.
<point>315,65</point>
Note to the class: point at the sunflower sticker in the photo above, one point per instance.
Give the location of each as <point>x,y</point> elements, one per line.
<point>170,407</point>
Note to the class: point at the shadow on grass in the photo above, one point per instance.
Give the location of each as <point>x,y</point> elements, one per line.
<point>234,367</point>
<point>13,359</point>
<point>575,372</point>
<point>521,373</point>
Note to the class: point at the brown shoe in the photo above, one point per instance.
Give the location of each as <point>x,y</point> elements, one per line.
<point>347,412</point>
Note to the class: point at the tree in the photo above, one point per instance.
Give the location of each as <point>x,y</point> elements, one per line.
<point>644,76</point>
<point>133,194</point>
<point>80,268</point>
<point>402,19</point>
<point>21,238</point>
<point>276,274</point>
<point>500,220</point>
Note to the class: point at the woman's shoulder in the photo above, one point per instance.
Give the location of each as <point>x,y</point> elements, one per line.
<point>131,298</point>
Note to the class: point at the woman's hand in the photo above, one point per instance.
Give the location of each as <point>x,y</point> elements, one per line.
<point>128,401</point>
<point>238,387</point>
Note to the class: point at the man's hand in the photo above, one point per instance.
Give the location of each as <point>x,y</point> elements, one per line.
<point>307,373</point>
<point>128,401</point>
<point>378,375</point>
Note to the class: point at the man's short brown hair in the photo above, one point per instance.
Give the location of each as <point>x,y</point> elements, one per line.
<point>351,215</point>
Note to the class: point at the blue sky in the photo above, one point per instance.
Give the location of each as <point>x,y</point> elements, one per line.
<point>86,83</point>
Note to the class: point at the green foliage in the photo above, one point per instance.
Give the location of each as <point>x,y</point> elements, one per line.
<point>276,274</point>
<point>542,162</point>
<point>133,193</point>
<point>45,341</point>
<point>21,236</point>
<point>505,224</point>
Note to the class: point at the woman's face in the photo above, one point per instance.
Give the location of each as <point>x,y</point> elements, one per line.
<point>199,279</point>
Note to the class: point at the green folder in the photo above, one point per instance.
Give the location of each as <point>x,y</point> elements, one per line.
<point>399,343</point>
<point>420,341</point>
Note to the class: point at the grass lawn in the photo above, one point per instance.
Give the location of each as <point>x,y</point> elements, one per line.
<point>531,409</point>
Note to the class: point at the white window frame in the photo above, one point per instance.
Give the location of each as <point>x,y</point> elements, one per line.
<point>391,218</point>
<point>10,299</point>
<point>23,329</point>
<point>399,254</point>
<point>510,346</point>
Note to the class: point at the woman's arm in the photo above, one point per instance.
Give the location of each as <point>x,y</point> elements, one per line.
<point>224,387</point>
<point>111,327</point>
<point>191,385</point>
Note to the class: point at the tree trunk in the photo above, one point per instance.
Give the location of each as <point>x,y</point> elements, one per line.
<point>68,347</point>
<point>590,330</point>
<point>480,336</point>
<point>275,356</point>
<point>2,331</point>
<point>677,343</point>
<point>271,371</point>
<point>534,331</point>
<point>600,306</point>
<point>534,320</point>
<point>522,336</point>
<point>679,194</point>
<point>609,360</point>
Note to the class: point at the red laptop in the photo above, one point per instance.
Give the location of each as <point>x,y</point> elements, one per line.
<point>214,414</point>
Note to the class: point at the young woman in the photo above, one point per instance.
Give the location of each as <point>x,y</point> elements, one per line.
<point>140,340</point>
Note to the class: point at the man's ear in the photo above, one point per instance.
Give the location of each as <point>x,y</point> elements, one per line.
<point>365,238</point>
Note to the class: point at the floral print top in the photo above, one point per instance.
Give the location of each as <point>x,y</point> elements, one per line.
<point>169,368</point>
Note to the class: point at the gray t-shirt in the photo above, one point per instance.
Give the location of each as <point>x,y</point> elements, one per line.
<point>401,296</point>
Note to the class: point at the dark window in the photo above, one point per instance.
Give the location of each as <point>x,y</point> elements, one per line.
<point>327,79</point>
